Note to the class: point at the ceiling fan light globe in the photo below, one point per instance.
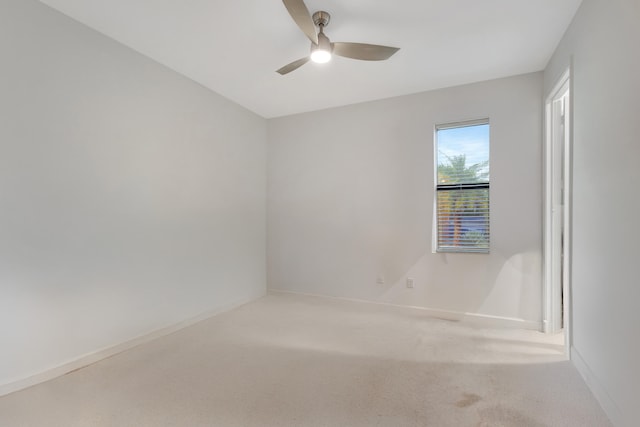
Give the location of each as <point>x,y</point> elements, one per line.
<point>320,56</point>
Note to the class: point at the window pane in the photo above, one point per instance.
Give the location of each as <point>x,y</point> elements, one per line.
<point>463,219</point>
<point>463,154</point>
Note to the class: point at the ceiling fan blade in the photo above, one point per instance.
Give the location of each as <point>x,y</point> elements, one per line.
<point>366,52</point>
<point>293,66</point>
<point>300,14</point>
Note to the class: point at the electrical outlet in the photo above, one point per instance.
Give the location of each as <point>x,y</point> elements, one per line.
<point>410,282</point>
<point>380,279</point>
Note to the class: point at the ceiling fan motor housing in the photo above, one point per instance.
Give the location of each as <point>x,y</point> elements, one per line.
<point>321,19</point>
<point>323,43</point>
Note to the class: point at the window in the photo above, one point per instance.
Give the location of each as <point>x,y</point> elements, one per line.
<point>462,187</point>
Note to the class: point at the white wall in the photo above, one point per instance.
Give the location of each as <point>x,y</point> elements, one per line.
<point>131,198</point>
<point>350,197</point>
<point>603,41</point>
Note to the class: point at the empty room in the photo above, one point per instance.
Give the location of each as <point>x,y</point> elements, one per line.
<point>319,213</point>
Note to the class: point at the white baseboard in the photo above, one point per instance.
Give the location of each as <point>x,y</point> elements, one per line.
<point>93,357</point>
<point>598,390</point>
<point>484,320</point>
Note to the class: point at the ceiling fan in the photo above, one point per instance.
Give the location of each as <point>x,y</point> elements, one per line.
<point>321,47</point>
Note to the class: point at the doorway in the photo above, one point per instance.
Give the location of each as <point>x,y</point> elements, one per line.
<point>557,211</point>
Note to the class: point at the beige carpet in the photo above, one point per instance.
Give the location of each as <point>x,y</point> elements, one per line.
<point>301,361</point>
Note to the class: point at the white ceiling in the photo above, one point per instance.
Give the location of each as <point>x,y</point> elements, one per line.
<point>234,46</point>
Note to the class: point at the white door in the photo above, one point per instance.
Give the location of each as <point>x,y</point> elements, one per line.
<point>558,209</point>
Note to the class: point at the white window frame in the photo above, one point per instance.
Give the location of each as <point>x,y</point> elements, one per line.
<point>435,240</point>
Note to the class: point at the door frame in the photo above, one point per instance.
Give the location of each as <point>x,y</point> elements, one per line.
<point>557,296</point>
